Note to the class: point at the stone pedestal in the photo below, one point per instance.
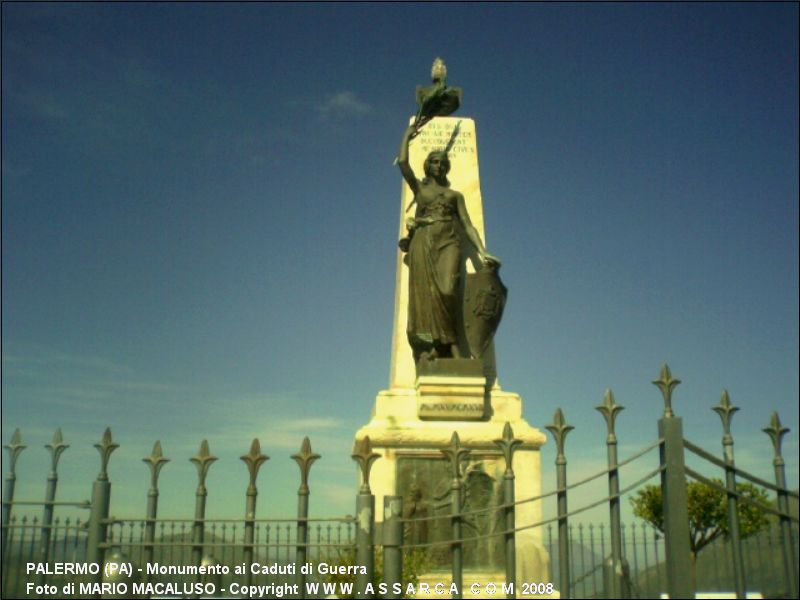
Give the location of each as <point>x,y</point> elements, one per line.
<point>416,417</point>
<point>410,450</point>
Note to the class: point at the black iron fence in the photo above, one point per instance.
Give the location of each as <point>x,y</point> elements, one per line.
<point>643,550</point>
<point>202,556</point>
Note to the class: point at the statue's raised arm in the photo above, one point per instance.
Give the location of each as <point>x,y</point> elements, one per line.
<point>402,160</point>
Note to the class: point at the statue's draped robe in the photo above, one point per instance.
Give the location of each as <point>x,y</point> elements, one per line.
<point>433,262</point>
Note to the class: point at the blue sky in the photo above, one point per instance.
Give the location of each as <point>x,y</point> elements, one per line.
<point>200,221</point>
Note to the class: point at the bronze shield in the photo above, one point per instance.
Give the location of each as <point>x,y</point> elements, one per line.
<point>484,301</point>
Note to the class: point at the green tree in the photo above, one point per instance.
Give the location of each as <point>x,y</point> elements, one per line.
<point>708,512</point>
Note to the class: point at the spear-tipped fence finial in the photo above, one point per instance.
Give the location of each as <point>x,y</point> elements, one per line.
<point>364,457</point>
<point>455,453</point>
<point>609,409</point>
<point>14,447</point>
<point>725,410</point>
<point>254,459</point>
<point>203,460</point>
<point>775,430</point>
<point>304,459</point>
<point>56,449</point>
<point>508,446</point>
<point>105,448</point>
<point>666,383</point>
<point>559,429</point>
<point>155,462</point>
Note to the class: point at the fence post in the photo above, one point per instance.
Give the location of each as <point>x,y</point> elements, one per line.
<point>56,448</point>
<point>455,453</point>
<point>725,411</point>
<point>203,461</point>
<point>616,573</point>
<point>101,502</point>
<point>775,430</point>
<point>365,515</point>
<point>393,545</point>
<point>673,488</point>
<point>254,459</point>
<point>559,429</point>
<point>304,459</point>
<point>155,462</point>
<point>14,447</point>
<point>508,445</point>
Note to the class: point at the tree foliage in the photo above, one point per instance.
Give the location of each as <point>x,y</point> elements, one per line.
<point>708,511</point>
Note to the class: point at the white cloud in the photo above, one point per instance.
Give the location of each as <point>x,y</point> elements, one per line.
<point>41,357</point>
<point>343,104</point>
<point>310,424</point>
<point>285,434</point>
<point>332,494</point>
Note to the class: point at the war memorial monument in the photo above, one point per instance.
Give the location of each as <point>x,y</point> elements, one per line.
<point>443,376</point>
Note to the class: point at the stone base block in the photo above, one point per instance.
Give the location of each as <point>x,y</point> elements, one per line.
<point>409,442</point>
<point>437,400</point>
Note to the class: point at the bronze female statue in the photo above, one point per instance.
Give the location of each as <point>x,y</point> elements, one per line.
<point>434,255</point>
